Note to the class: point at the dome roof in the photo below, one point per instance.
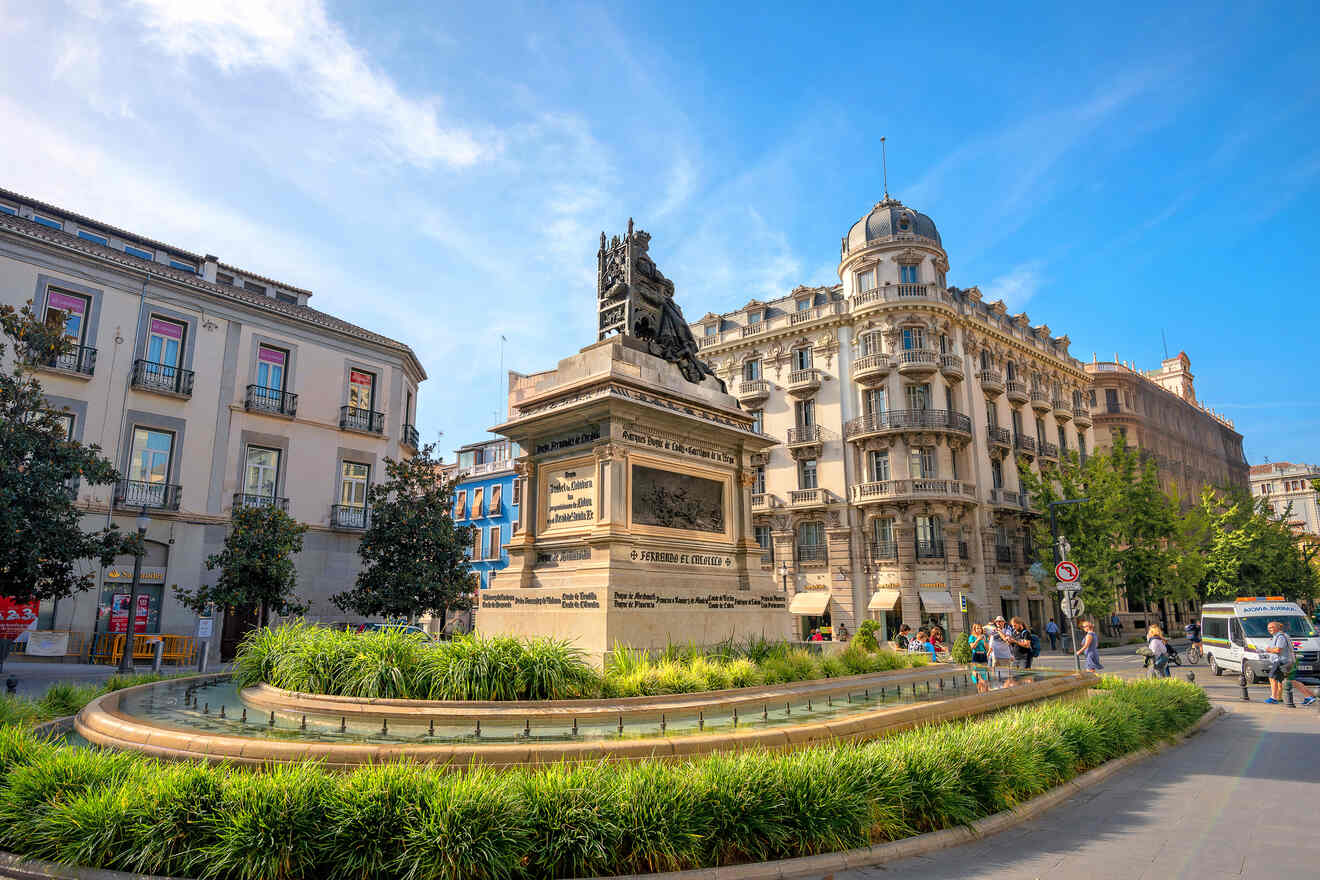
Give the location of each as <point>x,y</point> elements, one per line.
<point>891,220</point>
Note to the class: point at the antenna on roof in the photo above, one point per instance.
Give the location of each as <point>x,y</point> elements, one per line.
<point>1166,343</point>
<point>884,164</point>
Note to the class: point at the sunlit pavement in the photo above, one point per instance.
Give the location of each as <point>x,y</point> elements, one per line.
<point>1233,801</point>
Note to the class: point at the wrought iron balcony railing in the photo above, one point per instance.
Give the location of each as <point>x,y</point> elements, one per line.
<point>899,419</point>
<point>1003,553</point>
<point>270,400</point>
<point>811,553</point>
<point>883,550</point>
<point>347,516</point>
<point>151,376</point>
<point>139,493</point>
<point>930,549</point>
<point>411,438</point>
<point>367,420</point>
<point>79,359</point>
<point>247,499</point>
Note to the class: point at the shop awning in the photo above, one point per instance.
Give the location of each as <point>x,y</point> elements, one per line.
<point>938,601</point>
<point>884,600</point>
<point>812,602</point>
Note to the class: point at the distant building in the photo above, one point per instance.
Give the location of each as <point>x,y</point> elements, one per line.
<point>210,388</point>
<point>1283,483</point>
<point>1158,413</point>
<point>487,497</point>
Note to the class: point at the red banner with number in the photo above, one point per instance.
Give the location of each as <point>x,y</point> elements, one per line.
<point>16,617</point>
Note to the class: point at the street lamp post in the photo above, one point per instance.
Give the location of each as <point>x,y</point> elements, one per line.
<point>130,628</point>
<point>1059,557</point>
<point>783,575</point>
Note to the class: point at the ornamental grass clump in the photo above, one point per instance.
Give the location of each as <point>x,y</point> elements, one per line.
<point>133,813</point>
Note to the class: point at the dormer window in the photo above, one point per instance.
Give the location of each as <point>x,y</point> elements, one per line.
<point>258,289</point>
<point>803,304</point>
<point>754,317</point>
<point>866,280</point>
<point>711,330</point>
<point>904,223</point>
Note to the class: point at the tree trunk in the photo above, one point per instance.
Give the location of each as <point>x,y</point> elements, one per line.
<point>261,620</point>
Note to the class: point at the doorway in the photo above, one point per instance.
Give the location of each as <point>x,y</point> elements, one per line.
<point>238,623</point>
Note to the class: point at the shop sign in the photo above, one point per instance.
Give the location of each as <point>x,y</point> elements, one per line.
<point>119,613</point>
<point>124,574</point>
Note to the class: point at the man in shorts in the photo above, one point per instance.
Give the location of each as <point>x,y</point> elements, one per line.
<point>1285,665</point>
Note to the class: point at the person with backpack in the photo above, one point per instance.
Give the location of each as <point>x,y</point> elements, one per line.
<point>1020,637</point>
<point>1052,630</point>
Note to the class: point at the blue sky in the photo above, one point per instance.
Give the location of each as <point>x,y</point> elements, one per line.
<point>441,172</point>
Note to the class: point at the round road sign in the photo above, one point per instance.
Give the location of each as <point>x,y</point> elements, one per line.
<point>1072,606</point>
<point>1067,572</point>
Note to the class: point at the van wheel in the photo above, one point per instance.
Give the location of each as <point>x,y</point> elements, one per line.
<point>1214,667</point>
<point>1250,674</point>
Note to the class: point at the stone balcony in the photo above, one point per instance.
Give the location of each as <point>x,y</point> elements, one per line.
<point>1082,416</point>
<point>753,392</point>
<point>884,491</point>
<point>918,362</point>
<point>1017,392</point>
<point>1062,410</point>
<point>763,501</point>
<point>998,437</point>
<point>872,369</point>
<point>806,441</point>
<point>992,382</point>
<point>1024,444</point>
<point>1049,450</point>
<point>800,499</point>
<point>1040,402</point>
<point>898,293</point>
<point>1005,498</point>
<point>951,366</point>
<point>900,420</point>
<point>804,383</point>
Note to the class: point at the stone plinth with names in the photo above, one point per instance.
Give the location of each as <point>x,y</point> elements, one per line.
<point>637,471</point>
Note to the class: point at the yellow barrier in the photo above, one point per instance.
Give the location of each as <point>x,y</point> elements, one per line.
<point>109,648</point>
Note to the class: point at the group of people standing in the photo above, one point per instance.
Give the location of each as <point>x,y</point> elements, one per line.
<point>1004,643</point>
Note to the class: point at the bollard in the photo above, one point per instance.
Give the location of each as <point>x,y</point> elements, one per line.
<point>620,724</point>
<point>1288,694</point>
<point>808,704</point>
<point>575,733</point>
<point>788,708</point>
<point>829,700</point>
<point>849,696</point>
<point>430,728</point>
<point>735,716</point>
<point>1242,681</point>
<point>157,655</point>
<point>343,724</point>
<point>272,718</point>
<point>941,683</point>
<point>11,686</point>
<point>245,715</point>
<point>222,710</point>
<point>206,709</point>
<point>701,721</point>
<point>527,727</point>
<point>203,655</point>
<point>662,723</point>
<point>384,727</point>
<point>302,725</point>
<point>765,712</point>
<point>478,727</point>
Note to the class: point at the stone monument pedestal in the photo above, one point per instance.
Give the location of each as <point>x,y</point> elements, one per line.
<point>636,526</point>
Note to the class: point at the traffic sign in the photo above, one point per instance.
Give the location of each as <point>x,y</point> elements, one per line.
<point>1067,572</point>
<point>1068,588</point>
<point>1072,606</point>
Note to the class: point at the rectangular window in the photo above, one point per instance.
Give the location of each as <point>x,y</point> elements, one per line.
<point>918,396</point>
<point>476,502</point>
<point>804,412</point>
<point>152,451</point>
<point>460,504</point>
<point>496,497</point>
<point>1063,441</point>
<point>908,274</point>
<point>711,330</point>
<point>270,367</point>
<point>66,424</point>
<point>138,252</point>
<point>807,474</point>
<point>69,311</point>
<point>992,413</point>
<point>259,289</point>
<point>758,421</point>
<point>1017,422</point>
<point>928,529</point>
<point>353,485</point>
<point>953,465</point>
<point>224,278</point>
<point>871,344</point>
<point>165,343</point>
<point>262,473</point>
<point>1040,431</point>
<point>495,550</point>
<point>811,534</point>
<point>914,338</point>
<point>802,358</point>
<point>93,237</point>
<point>766,542</point>
<point>878,465</point>
<point>517,491</point>
<point>866,280</point>
<point>753,317</point>
<point>882,530</point>
<point>50,222</point>
<point>182,266</point>
<point>287,298</point>
<point>1111,400</point>
<point>997,473</point>
<point>361,384</point>
<point>803,305</point>
<point>476,543</point>
<point>752,370</point>
<point>921,463</point>
<point>758,480</point>
<point>873,402</point>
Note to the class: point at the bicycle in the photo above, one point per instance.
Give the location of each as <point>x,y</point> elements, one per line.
<point>1193,653</point>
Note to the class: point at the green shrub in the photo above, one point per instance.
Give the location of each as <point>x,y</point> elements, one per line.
<point>865,637</point>
<point>133,813</point>
<point>961,650</point>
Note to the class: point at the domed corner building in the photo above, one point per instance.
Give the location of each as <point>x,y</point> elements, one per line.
<point>900,404</point>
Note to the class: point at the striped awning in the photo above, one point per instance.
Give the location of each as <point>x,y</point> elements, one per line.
<point>810,602</point>
<point>938,601</point>
<point>884,600</point>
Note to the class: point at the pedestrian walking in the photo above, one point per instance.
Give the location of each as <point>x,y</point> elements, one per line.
<point>979,644</point>
<point>1116,625</point>
<point>1284,667</point>
<point>1159,650</point>
<point>1052,630</point>
<point>1090,649</point>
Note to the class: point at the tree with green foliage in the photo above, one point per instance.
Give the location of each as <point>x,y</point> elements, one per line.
<point>1121,537</point>
<point>414,555</point>
<point>42,541</point>
<point>256,565</point>
<point>1252,551</point>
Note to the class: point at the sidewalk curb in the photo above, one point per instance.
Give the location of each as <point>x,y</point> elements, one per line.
<point>818,867</point>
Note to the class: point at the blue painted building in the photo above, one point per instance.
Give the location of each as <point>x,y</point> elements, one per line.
<point>487,497</point>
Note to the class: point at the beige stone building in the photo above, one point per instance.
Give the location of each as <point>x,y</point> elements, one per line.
<point>1281,484</point>
<point>209,387</point>
<point>1157,411</point>
<point>900,403</point>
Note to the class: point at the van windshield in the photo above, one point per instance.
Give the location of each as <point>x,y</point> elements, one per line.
<point>1294,624</point>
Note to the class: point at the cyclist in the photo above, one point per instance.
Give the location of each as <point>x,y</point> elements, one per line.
<point>1193,630</point>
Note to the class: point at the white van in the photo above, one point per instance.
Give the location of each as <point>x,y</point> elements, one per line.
<point>1235,636</point>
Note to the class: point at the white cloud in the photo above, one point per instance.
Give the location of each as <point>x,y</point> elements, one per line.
<point>297,40</point>
<point>1016,286</point>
